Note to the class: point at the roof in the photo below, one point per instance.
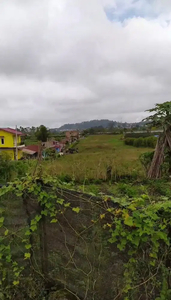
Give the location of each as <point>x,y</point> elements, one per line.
<point>27,151</point>
<point>56,146</point>
<point>13,131</point>
<point>35,148</point>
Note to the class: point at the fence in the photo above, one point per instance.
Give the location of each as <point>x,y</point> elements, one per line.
<point>55,245</point>
<point>71,254</point>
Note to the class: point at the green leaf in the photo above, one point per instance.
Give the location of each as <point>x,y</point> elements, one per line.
<point>54,221</point>
<point>27,255</point>
<point>38,218</point>
<point>33,228</point>
<point>76,209</point>
<point>16,282</point>
<point>48,205</point>
<point>128,221</point>
<point>33,222</point>
<point>44,212</point>
<point>153,263</point>
<point>28,246</point>
<point>1,221</point>
<point>8,258</point>
<point>60,201</point>
<point>28,232</point>
<point>6,232</point>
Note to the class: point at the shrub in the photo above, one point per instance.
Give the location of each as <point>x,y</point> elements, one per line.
<point>127,190</point>
<point>6,168</point>
<point>146,159</point>
<point>149,142</point>
<point>21,168</point>
<point>129,141</point>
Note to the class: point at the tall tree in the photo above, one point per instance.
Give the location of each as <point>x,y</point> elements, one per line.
<point>161,119</point>
<point>161,116</point>
<point>42,133</point>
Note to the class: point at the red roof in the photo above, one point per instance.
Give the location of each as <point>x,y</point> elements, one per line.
<point>35,148</point>
<point>13,131</point>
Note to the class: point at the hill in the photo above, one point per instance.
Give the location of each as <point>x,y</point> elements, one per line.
<point>96,123</point>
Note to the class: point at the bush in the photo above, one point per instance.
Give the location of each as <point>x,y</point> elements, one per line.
<point>146,159</point>
<point>50,153</point>
<point>21,168</point>
<point>129,141</point>
<point>149,142</point>
<point>127,190</point>
<point>6,168</point>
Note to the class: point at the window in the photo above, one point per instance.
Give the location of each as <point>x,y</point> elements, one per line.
<point>2,141</point>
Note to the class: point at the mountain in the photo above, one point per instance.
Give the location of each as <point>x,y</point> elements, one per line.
<point>96,123</point>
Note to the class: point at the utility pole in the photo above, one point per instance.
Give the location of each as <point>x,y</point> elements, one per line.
<point>16,149</point>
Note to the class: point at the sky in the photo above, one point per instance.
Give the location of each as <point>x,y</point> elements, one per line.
<point>67,61</point>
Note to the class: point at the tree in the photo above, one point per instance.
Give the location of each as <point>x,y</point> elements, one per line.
<point>42,133</point>
<point>161,119</point>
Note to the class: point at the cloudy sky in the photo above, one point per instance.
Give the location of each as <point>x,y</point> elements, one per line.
<point>65,61</point>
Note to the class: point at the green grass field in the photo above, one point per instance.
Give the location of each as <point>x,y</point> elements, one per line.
<point>96,153</point>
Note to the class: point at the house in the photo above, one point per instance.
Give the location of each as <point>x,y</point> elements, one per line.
<point>51,144</point>
<point>31,151</point>
<point>72,136</point>
<point>10,143</point>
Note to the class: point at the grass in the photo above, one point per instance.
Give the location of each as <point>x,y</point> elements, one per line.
<point>96,153</point>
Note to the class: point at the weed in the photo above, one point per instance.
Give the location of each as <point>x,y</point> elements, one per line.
<point>127,190</point>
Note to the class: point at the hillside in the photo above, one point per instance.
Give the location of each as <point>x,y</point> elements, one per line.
<point>96,123</point>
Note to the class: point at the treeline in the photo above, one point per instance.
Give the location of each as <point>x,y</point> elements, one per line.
<point>149,142</point>
<point>101,130</point>
<point>105,123</point>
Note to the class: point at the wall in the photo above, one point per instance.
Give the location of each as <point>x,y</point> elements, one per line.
<point>20,154</point>
<point>9,142</point>
<point>8,139</point>
<point>9,152</point>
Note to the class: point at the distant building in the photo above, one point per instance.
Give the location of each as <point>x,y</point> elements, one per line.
<point>72,136</point>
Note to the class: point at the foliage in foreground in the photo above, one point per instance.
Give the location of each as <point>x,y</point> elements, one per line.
<point>137,232</point>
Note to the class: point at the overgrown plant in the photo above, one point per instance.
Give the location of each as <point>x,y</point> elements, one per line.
<point>161,119</point>
<point>136,232</point>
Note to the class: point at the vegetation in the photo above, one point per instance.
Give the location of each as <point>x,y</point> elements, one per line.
<point>128,236</point>
<point>95,155</point>
<point>10,170</point>
<point>68,222</point>
<point>149,142</point>
<point>142,134</point>
<point>42,133</point>
<point>103,124</point>
<point>160,118</point>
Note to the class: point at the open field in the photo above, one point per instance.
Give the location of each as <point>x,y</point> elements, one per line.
<point>96,153</point>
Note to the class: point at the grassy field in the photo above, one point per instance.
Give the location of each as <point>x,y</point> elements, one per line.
<point>96,153</point>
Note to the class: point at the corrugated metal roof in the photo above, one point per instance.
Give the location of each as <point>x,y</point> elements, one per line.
<point>27,151</point>
<point>35,148</point>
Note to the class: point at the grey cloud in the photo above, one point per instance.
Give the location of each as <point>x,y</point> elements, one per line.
<point>64,61</point>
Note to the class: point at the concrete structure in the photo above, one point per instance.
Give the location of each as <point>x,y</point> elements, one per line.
<point>10,143</point>
<point>72,136</point>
